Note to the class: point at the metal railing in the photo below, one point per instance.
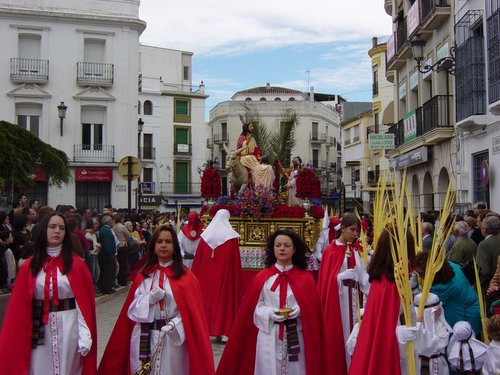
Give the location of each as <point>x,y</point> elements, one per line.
<point>433,114</point>
<point>147,153</point>
<point>95,73</point>
<point>221,138</point>
<point>29,70</point>
<point>181,188</point>
<point>401,35</point>
<point>317,137</point>
<point>183,149</point>
<point>93,153</point>
<point>469,78</point>
<point>493,36</point>
<point>428,7</point>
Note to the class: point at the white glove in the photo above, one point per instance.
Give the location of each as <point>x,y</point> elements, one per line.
<point>295,312</point>
<point>83,350</point>
<point>348,274</point>
<point>275,317</point>
<point>156,295</point>
<point>406,334</point>
<point>168,327</point>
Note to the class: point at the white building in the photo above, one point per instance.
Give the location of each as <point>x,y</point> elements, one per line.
<point>172,142</point>
<point>477,78</point>
<point>85,54</point>
<point>317,135</point>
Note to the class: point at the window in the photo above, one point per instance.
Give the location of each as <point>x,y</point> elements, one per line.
<point>138,107</point>
<point>262,99</point>
<point>29,46</point>
<point>186,73</point>
<point>28,117</point>
<point>148,150</point>
<point>147,175</point>
<point>182,110</point>
<point>148,107</point>
<point>480,193</point>
<point>94,50</point>
<point>277,99</point>
<point>315,158</point>
<point>181,177</point>
<point>182,143</point>
<point>93,128</point>
<point>355,133</point>
<point>314,134</point>
<point>375,83</point>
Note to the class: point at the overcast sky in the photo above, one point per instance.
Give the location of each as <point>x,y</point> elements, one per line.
<point>238,45</point>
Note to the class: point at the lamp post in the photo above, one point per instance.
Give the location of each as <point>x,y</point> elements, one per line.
<point>61,108</point>
<point>140,127</point>
<point>445,63</point>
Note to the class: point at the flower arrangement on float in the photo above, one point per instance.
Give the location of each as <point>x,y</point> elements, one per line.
<point>308,184</point>
<point>211,184</point>
<point>257,202</point>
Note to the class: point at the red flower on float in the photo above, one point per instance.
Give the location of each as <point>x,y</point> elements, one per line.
<point>308,184</point>
<point>211,185</point>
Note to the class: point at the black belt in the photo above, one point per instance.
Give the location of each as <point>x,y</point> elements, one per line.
<point>432,356</point>
<point>188,256</point>
<point>64,304</point>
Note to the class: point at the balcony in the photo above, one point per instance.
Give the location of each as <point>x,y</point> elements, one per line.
<point>182,149</point>
<point>221,138</point>
<point>94,153</point>
<point>147,153</point>
<point>434,13</point>
<point>470,85</point>
<point>403,48</point>
<point>180,188</point>
<point>94,74</point>
<point>330,141</point>
<point>29,70</point>
<point>210,143</point>
<point>317,138</point>
<point>493,47</point>
<point>433,126</point>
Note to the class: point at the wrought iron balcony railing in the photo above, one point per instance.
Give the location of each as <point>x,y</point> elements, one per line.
<point>98,74</point>
<point>180,188</point>
<point>29,70</point>
<point>94,153</point>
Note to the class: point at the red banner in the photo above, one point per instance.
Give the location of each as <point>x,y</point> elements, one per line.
<point>93,174</point>
<point>39,175</point>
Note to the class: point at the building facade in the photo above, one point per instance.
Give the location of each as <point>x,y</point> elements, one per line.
<point>83,56</point>
<point>317,139</point>
<point>477,76</point>
<point>171,144</point>
<point>424,100</point>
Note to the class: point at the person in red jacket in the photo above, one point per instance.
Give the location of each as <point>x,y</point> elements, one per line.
<point>162,323</point>
<point>50,324</point>
<point>217,265</point>
<point>280,325</point>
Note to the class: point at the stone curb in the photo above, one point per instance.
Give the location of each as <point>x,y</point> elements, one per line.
<point>107,297</point>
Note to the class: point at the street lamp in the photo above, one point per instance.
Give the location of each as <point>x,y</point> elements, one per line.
<point>61,108</point>
<point>140,127</point>
<point>446,63</point>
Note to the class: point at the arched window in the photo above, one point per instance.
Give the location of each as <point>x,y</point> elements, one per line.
<point>148,107</point>
<point>262,99</point>
<point>248,99</point>
<point>138,107</point>
<point>291,99</point>
<point>277,99</point>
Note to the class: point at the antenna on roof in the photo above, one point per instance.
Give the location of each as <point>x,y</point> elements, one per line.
<point>308,71</point>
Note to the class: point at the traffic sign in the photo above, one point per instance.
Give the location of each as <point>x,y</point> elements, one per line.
<point>129,168</point>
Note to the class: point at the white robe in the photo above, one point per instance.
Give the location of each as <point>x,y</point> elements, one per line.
<point>172,355</point>
<point>59,354</point>
<point>364,286</point>
<point>492,364</point>
<point>269,348</point>
<point>187,247</point>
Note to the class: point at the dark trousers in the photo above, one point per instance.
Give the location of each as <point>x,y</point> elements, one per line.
<point>107,265</point>
<point>124,269</point>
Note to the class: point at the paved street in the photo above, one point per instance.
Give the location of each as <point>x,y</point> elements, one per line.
<point>108,308</point>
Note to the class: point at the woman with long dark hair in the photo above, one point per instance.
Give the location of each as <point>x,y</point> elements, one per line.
<point>162,322</point>
<point>50,324</point>
<point>280,327</point>
<point>377,350</point>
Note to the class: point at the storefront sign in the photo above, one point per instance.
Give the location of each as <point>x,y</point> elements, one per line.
<point>120,188</point>
<point>418,156</point>
<point>410,126</point>
<point>150,200</point>
<point>93,174</point>
<point>381,141</point>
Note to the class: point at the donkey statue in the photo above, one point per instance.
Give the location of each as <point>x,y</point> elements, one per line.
<point>239,174</point>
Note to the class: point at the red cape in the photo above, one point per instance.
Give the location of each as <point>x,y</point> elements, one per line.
<point>332,260</point>
<point>220,281</point>
<point>239,354</point>
<point>16,333</point>
<point>377,350</point>
<point>186,290</point>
